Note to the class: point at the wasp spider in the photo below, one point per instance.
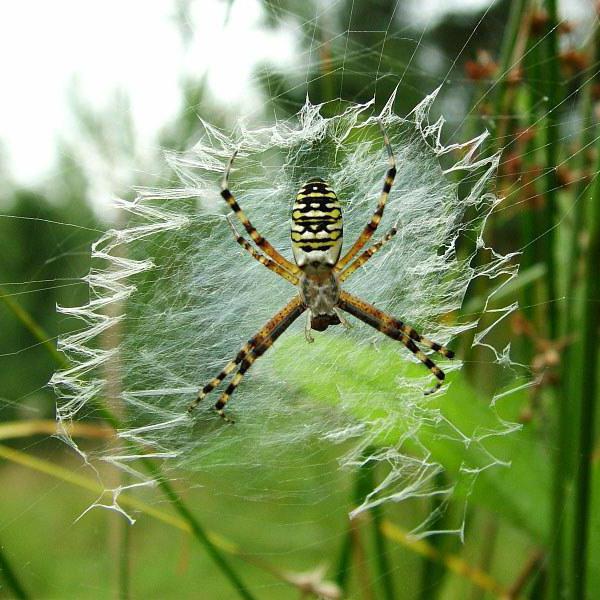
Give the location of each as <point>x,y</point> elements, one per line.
<point>318,273</point>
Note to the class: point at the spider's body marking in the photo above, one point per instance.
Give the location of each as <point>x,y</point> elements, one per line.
<point>317,228</point>
<point>321,295</point>
<point>318,272</point>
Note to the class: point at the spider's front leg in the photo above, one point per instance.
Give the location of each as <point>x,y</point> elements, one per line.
<point>263,260</point>
<point>257,238</point>
<point>253,349</point>
<point>372,225</point>
<point>397,330</point>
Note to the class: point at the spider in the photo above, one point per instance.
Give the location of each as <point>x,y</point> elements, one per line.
<point>318,273</point>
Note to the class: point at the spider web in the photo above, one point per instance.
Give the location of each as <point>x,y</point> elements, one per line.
<point>183,297</point>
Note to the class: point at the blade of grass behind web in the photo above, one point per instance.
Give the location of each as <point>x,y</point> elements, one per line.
<point>587,397</point>
<point>561,417</point>
<point>10,577</point>
<point>552,90</point>
<point>150,467</point>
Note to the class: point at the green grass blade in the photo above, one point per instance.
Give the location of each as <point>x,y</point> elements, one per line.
<point>10,577</point>
<point>588,391</point>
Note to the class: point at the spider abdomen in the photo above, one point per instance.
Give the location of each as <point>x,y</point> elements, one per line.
<point>316,226</point>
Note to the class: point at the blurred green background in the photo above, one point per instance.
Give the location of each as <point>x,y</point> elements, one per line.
<point>526,70</point>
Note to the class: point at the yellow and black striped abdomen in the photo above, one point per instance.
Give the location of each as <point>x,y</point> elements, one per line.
<point>316,225</point>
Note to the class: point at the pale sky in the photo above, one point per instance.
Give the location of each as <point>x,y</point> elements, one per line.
<point>134,46</point>
<point>131,45</point>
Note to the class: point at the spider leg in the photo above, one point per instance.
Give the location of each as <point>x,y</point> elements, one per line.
<point>258,239</point>
<point>367,254</point>
<point>407,330</point>
<point>396,330</point>
<point>340,315</point>
<point>262,342</point>
<point>254,348</point>
<point>263,260</point>
<point>372,225</point>
<point>307,334</point>
<point>213,383</point>
<point>235,381</point>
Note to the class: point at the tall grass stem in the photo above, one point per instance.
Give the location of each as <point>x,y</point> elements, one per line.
<point>10,577</point>
<point>588,391</point>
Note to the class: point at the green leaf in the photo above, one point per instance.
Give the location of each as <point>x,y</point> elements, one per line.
<point>459,427</point>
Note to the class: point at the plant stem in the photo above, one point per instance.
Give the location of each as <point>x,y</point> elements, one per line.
<point>551,180</point>
<point>531,226</point>
<point>345,562</point>
<point>197,529</point>
<point>30,324</point>
<point>573,361</point>
<point>561,414</point>
<point>381,550</point>
<point>10,577</point>
<point>509,41</point>
<point>124,567</point>
<point>365,484</point>
<point>432,573</point>
<point>588,389</point>
<point>454,563</point>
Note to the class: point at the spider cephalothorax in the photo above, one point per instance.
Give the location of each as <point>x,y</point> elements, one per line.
<point>318,273</point>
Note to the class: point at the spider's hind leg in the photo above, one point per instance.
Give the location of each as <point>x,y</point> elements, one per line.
<point>253,349</point>
<point>213,383</point>
<point>233,384</point>
<point>396,330</point>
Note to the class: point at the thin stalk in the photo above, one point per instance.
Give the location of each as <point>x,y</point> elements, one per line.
<point>381,550</point>
<point>326,66</point>
<point>530,222</point>
<point>487,550</point>
<point>572,358</point>
<point>10,577</point>
<point>365,483</point>
<point>507,51</point>
<point>529,571</point>
<point>588,133</point>
<point>18,429</point>
<point>30,324</point>
<point>588,390</point>
<point>344,565</point>
<point>454,563</point>
<point>583,165</point>
<point>149,465</point>
<point>351,545</point>
<point>124,567</point>
<point>561,415</point>
<point>551,180</point>
<point>432,573</point>
<point>197,529</point>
